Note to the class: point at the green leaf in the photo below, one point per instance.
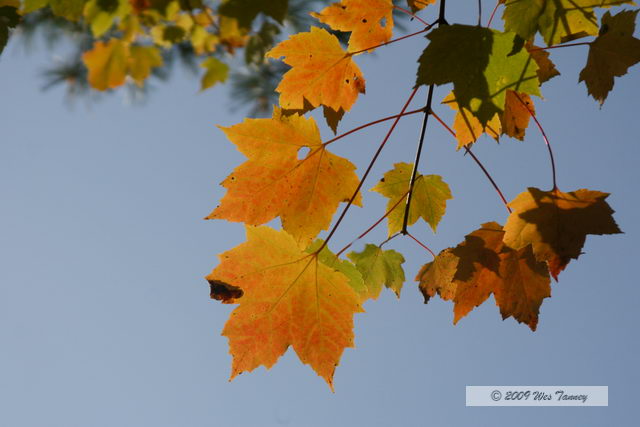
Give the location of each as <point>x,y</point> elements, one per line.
<point>245,11</point>
<point>379,267</point>
<point>141,60</point>
<point>611,53</point>
<point>429,199</point>
<point>68,9</point>
<point>481,63</point>
<point>558,21</point>
<point>33,5</point>
<point>343,266</point>
<point>217,72</point>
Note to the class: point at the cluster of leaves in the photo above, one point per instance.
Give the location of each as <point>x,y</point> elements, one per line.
<point>125,42</point>
<point>291,290</point>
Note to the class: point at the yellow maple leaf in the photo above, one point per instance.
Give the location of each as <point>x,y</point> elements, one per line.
<point>467,126</point>
<point>288,298</point>
<point>107,64</point>
<point>322,72</point>
<point>369,21</point>
<point>274,182</point>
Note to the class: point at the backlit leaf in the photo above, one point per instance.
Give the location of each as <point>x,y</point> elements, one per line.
<point>556,224</point>
<point>611,53</point>
<point>142,59</point>
<point>467,127</point>
<point>369,21</point>
<point>417,5</point>
<point>546,69</point>
<point>481,63</point>
<point>379,267</point>
<point>429,200</point>
<point>107,64</point>
<point>216,72</point>
<point>558,21</point>
<point>274,182</point>
<point>289,298</point>
<point>321,74</point>
<point>480,266</point>
<point>518,108</point>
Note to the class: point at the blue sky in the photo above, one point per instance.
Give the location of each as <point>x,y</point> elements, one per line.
<point>105,318</point>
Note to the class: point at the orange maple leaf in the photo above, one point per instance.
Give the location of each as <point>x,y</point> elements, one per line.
<point>288,298</point>
<point>556,224</point>
<point>369,21</point>
<point>516,115</point>
<point>482,265</point>
<point>274,182</point>
<point>322,72</point>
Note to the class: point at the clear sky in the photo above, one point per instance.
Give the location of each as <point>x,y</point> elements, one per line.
<point>105,318</point>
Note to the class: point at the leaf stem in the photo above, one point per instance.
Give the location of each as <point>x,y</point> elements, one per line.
<point>427,110</point>
<point>421,244</point>
<point>413,15</point>
<point>478,162</point>
<point>366,173</point>
<point>373,226</point>
<point>557,46</point>
<point>375,122</point>
<point>424,30</point>
<point>495,9</point>
<point>544,136</point>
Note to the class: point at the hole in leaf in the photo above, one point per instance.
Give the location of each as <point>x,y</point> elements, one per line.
<point>303,152</point>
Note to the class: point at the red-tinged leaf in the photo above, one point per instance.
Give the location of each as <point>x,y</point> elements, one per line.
<point>480,266</point>
<point>290,298</point>
<point>556,224</point>
<point>274,182</point>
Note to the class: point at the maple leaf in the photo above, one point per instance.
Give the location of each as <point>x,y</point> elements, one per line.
<point>379,267</point>
<point>100,14</point>
<point>344,266</point>
<point>274,182</point>
<point>429,199</point>
<point>246,11</point>
<point>216,71</point>
<point>556,224</point>
<point>481,63</point>
<point>611,53</point>
<point>467,127</point>
<point>417,5</point>
<point>480,266</point>
<point>546,69</point>
<point>515,118</point>
<point>68,9</point>
<point>107,64</point>
<point>436,277</point>
<point>322,72</point>
<point>290,298</point>
<point>369,21</point>
<point>558,21</point>
<point>141,60</point>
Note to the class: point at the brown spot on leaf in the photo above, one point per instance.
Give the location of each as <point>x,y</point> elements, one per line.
<point>224,292</point>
